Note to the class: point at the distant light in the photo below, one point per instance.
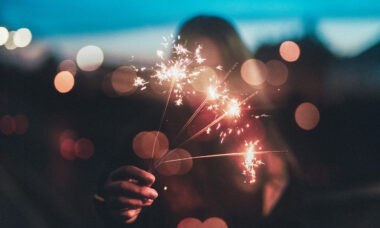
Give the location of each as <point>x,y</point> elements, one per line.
<point>68,65</point>
<point>4,35</point>
<point>143,144</point>
<point>22,37</point>
<point>178,167</point>
<point>189,223</point>
<point>22,124</point>
<point>7,125</point>
<point>67,149</point>
<point>307,116</point>
<point>277,73</point>
<point>289,51</point>
<point>215,222</point>
<point>90,58</point>
<point>254,72</point>
<point>10,45</point>
<point>123,79</point>
<point>84,148</point>
<point>67,134</point>
<point>64,82</point>
<point>165,188</point>
<point>206,77</point>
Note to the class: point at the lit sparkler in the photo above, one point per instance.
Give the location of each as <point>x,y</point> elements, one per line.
<point>179,74</point>
<point>250,162</point>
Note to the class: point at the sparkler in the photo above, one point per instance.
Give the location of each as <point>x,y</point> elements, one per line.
<point>180,75</point>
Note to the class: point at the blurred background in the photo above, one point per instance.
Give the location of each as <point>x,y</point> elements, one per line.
<point>63,110</point>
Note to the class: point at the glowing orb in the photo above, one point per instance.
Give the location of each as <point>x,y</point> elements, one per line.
<point>90,58</point>
<point>290,51</point>
<point>253,72</point>
<point>277,73</point>
<point>22,37</point>
<point>4,35</point>
<point>307,116</point>
<point>64,82</point>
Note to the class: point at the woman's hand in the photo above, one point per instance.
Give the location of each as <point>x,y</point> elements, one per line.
<point>127,191</point>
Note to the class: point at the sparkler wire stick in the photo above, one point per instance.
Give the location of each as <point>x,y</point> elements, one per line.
<point>219,155</point>
<point>163,116</point>
<point>196,112</point>
<point>215,121</point>
<point>201,131</point>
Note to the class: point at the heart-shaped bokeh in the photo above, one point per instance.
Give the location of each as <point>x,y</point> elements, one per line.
<point>213,222</point>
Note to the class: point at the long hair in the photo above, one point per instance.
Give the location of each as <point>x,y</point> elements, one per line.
<point>219,30</point>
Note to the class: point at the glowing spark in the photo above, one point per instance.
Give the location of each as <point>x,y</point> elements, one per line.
<point>180,50</point>
<point>160,54</point>
<point>250,162</point>
<point>219,67</point>
<point>233,108</point>
<point>198,56</point>
<point>178,102</point>
<point>212,93</point>
<point>139,82</point>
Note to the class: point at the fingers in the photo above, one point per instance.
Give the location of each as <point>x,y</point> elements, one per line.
<point>126,216</point>
<point>127,172</point>
<point>127,188</point>
<point>121,202</point>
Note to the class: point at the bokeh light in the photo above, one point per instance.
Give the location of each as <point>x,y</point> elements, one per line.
<point>4,35</point>
<point>68,65</point>
<point>84,148</point>
<point>178,167</point>
<point>206,77</point>
<point>123,79</point>
<point>290,51</point>
<point>90,58</point>
<point>22,124</point>
<point>22,37</point>
<point>64,81</point>
<point>307,116</point>
<point>277,73</point>
<point>67,149</point>
<point>254,72</point>
<point>7,125</point>
<point>67,134</point>
<point>143,144</point>
<point>215,222</point>
<point>189,223</point>
<point>10,45</point>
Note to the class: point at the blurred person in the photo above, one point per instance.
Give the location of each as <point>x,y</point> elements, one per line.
<point>214,188</point>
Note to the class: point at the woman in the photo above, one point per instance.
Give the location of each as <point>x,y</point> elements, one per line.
<point>213,188</point>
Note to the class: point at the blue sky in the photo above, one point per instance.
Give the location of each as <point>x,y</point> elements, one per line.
<point>136,27</point>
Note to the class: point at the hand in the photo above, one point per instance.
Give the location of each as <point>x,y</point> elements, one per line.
<point>127,191</point>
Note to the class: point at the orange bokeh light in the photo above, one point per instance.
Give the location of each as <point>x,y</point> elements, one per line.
<point>189,223</point>
<point>178,167</point>
<point>254,72</point>
<point>64,81</point>
<point>123,79</point>
<point>290,51</point>
<point>277,73</point>
<point>144,141</point>
<point>307,116</point>
<point>206,77</point>
<point>213,222</point>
